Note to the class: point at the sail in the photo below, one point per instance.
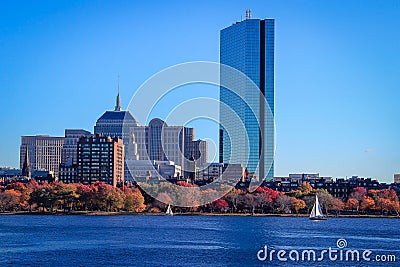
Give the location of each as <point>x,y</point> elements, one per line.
<point>169,210</point>
<point>312,215</point>
<point>318,211</point>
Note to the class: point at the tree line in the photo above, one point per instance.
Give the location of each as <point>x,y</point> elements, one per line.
<point>62,197</point>
<point>68,197</point>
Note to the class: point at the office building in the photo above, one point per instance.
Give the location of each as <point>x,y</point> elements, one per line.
<point>198,150</point>
<point>119,123</point>
<point>44,152</point>
<point>140,170</point>
<point>161,142</point>
<point>69,150</point>
<point>231,173</point>
<point>248,46</point>
<point>100,158</point>
<point>67,173</point>
<point>155,142</point>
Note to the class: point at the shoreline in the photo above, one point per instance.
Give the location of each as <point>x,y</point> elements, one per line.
<point>105,213</point>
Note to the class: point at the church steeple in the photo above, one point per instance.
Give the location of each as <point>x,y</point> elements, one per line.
<point>26,168</point>
<point>118,104</point>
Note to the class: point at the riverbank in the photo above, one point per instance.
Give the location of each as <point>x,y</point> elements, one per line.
<point>105,213</point>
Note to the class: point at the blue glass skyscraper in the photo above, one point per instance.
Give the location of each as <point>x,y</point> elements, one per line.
<point>248,46</point>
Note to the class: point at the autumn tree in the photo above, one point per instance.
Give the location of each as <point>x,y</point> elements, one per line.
<point>283,203</point>
<point>367,203</point>
<point>8,200</point>
<point>305,188</point>
<point>352,204</point>
<point>233,199</point>
<point>85,197</point>
<point>220,204</point>
<point>297,204</point>
<point>337,205</point>
<point>134,200</point>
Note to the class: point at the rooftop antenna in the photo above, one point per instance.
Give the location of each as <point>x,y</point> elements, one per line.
<point>248,14</point>
<point>118,102</point>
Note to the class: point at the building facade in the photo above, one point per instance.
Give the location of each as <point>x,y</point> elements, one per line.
<point>397,178</point>
<point>339,187</point>
<point>248,46</point>
<point>69,150</point>
<point>100,158</point>
<point>44,152</point>
<point>161,142</point>
<point>67,173</point>
<point>231,173</point>
<point>140,170</point>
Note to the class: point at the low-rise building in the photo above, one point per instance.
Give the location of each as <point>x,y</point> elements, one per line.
<point>226,172</point>
<point>140,170</point>
<point>339,188</point>
<point>397,178</point>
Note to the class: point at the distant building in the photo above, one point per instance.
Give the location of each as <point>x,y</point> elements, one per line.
<point>339,188</point>
<point>228,172</point>
<point>198,150</point>
<point>44,152</point>
<point>10,172</point>
<point>100,158</point>
<point>161,142</point>
<point>10,175</point>
<point>397,178</point>
<point>119,123</point>
<point>212,171</point>
<point>157,141</point>
<point>69,150</point>
<point>140,170</point>
<point>67,173</point>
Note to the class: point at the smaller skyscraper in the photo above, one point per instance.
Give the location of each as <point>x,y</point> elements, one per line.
<point>100,158</point>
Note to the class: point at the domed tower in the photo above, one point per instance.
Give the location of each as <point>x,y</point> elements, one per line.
<point>119,123</point>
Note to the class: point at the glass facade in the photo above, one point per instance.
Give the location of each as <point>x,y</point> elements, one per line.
<point>248,46</point>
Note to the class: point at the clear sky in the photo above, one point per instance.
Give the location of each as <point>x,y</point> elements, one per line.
<point>337,72</point>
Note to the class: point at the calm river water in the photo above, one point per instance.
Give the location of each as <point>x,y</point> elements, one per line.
<point>193,241</point>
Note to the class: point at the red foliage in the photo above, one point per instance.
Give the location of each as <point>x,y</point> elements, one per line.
<point>184,184</point>
<point>220,203</point>
<point>272,194</point>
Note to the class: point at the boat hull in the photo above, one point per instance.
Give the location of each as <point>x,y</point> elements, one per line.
<point>318,218</point>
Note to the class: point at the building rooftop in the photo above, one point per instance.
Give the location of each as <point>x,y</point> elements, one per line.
<point>118,115</point>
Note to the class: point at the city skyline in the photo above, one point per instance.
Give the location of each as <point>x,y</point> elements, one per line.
<point>336,76</point>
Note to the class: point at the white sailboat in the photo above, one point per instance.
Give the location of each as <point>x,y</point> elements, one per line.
<point>316,213</point>
<point>169,211</point>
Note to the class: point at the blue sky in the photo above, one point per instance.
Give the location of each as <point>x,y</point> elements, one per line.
<point>337,72</point>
